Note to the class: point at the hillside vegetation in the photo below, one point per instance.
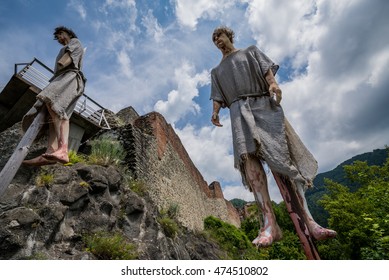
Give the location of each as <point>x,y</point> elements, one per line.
<point>354,198</point>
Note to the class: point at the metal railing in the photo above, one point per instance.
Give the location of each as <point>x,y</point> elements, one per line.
<point>38,74</point>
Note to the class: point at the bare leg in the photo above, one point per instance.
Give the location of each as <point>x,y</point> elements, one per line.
<point>316,231</point>
<point>52,145</point>
<point>297,215</point>
<point>52,141</point>
<point>257,180</point>
<point>61,130</point>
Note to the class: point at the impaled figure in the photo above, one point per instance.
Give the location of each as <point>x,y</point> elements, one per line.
<point>60,98</point>
<point>244,82</point>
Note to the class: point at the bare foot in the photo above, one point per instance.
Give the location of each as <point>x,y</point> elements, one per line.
<point>38,161</point>
<point>267,236</point>
<point>320,233</point>
<point>58,156</point>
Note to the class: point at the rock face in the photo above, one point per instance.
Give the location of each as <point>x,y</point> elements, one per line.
<point>51,219</point>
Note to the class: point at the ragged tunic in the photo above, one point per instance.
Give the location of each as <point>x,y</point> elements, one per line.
<point>259,127</point>
<point>65,87</point>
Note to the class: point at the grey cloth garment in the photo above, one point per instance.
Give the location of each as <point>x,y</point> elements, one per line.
<point>65,87</point>
<point>242,73</point>
<point>259,127</point>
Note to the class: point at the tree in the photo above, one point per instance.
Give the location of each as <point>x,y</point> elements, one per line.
<point>361,218</point>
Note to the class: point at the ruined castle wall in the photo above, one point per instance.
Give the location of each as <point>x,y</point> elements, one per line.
<point>171,177</point>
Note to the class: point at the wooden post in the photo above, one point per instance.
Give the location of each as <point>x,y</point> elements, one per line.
<point>21,151</point>
<point>295,210</point>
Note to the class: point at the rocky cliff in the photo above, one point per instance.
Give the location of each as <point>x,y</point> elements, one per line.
<point>53,219</point>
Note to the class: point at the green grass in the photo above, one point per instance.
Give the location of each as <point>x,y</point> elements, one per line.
<point>110,246</point>
<point>75,158</point>
<point>168,222</point>
<point>106,151</point>
<point>232,240</point>
<point>44,179</point>
<point>137,186</point>
<point>169,226</point>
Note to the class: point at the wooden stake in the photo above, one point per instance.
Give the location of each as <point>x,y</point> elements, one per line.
<point>21,151</point>
<point>295,210</point>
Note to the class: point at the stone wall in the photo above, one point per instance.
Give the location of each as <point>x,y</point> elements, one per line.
<point>158,157</point>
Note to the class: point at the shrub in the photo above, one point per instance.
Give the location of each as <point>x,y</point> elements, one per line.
<point>289,247</point>
<point>232,240</point>
<point>172,211</point>
<point>108,246</point>
<point>137,186</point>
<point>250,227</point>
<point>106,151</point>
<point>75,158</point>
<point>169,226</point>
<point>167,220</point>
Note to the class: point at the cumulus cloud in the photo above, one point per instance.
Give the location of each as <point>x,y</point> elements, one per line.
<point>337,105</point>
<point>189,12</point>
<point>231,192</point>
<point>210,149</point>
<point>284,31</point>
<point>180,101</point>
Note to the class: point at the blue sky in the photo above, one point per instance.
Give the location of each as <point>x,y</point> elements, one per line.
<point>157,56</point>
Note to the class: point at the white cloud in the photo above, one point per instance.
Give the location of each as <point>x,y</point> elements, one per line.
<point>287,30</point>
<point>239,191</point>
<point>120,3</point>
<point>120,14</point>
<point>153,28</point>
<point>336,106</point>
<point>78,6</point>
<point>378,64</point>
<point>231,192</point>
<point>189,12</point>
<point>209,147</point>
<point>180,101</point>
<point>125,64</point>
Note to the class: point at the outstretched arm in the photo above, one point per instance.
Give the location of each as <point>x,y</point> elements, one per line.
<point>215,115</point>
<point>273,86</point>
